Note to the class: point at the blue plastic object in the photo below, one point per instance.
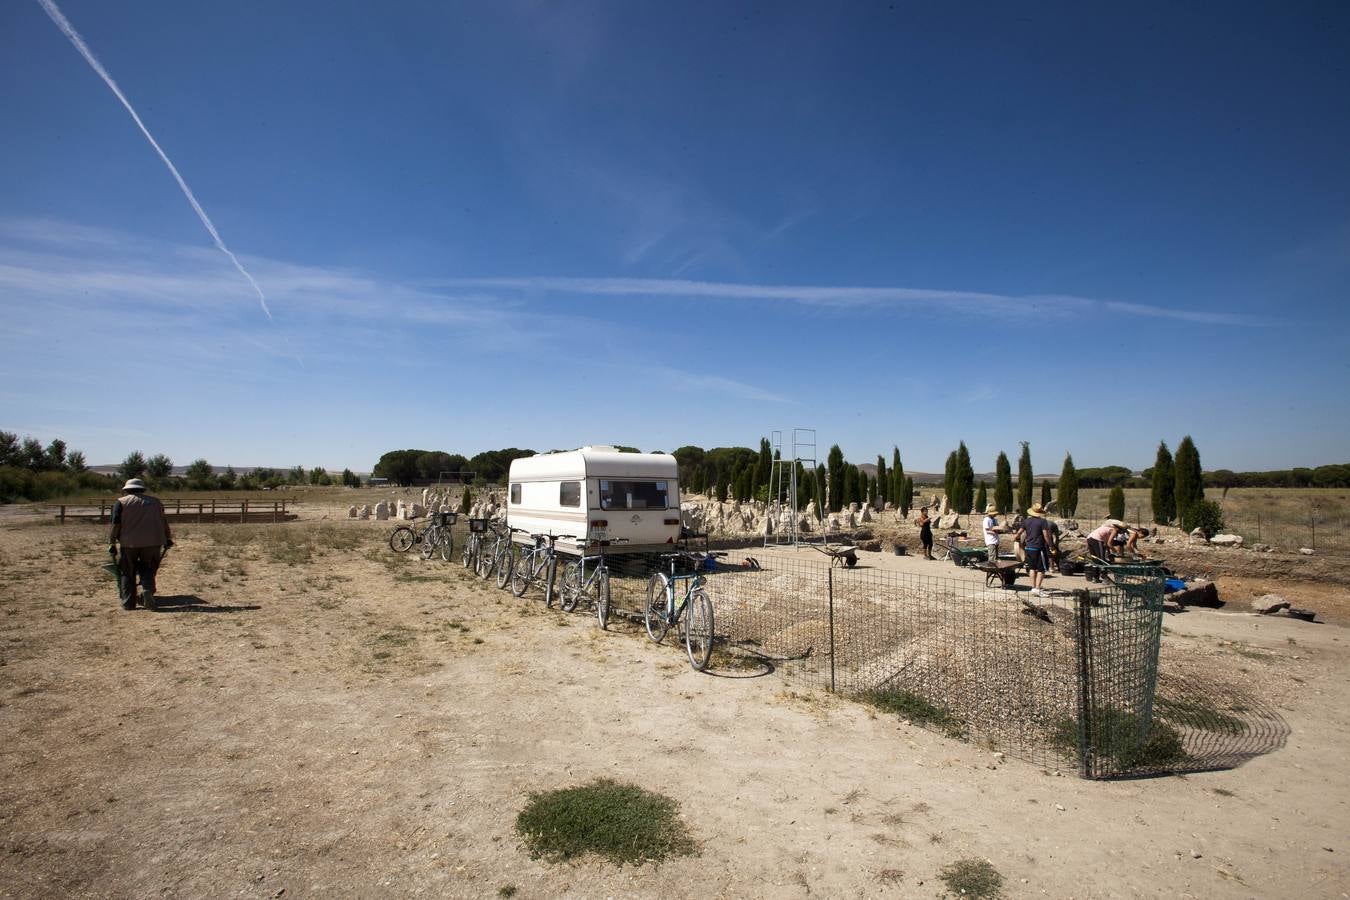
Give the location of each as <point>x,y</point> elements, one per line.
<point>1172,585</point>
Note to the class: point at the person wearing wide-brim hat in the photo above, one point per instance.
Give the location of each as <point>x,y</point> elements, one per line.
<point>991,531</point>
<point>1038,540</point>
<point>139,524</point>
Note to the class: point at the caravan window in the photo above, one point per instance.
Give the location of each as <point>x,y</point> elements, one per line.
<point>632,494</point>
<point>569,493</point>
<point>515,495</point>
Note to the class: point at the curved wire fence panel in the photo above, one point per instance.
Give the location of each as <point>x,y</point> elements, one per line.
<point>1065,680</point>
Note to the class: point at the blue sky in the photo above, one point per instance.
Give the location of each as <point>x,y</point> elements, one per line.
<point>546,224</point>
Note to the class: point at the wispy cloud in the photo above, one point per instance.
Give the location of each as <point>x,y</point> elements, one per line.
<point>1012,305</point>
<point>77,41</point>
<point>715,385</point>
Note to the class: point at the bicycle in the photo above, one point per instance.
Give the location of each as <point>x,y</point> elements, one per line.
<point>474,543</point>
<point>435,535</point>
<point>594,587</point>
<point>503,555</point>
<point>535,562</point>
<point>661,611</point>
<point>485,554</point>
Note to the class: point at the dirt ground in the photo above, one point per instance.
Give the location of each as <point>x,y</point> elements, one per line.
<point>311,713</point>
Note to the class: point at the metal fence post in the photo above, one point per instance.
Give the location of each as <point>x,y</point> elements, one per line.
<point>830,591</point>
<point>1085,711</point>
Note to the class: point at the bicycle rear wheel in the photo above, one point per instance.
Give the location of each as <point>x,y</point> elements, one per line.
<point>521,572</point>
<point>569,591</point>
<point>402,539</point>
<point>484,560</point>
<point>602,598</point>
<point>502,561</point>
<point>698,629</point>
<point>654,612</point>
<point>466,558</point>
<point>548,573</point>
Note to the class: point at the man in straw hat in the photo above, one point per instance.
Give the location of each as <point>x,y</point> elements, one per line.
<point>991,531</point>
<point>1038,540</point>
<point>139,524</point>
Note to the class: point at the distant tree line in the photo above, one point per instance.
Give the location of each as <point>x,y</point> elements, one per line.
<point>31,471</point>
<point>406,467</point>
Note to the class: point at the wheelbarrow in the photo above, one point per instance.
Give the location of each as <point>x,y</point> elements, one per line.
<point>839,554</point>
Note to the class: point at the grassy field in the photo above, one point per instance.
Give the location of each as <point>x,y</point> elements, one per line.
<point>1305,517</point>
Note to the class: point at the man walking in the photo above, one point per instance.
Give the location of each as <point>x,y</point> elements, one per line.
<point>139,523</point>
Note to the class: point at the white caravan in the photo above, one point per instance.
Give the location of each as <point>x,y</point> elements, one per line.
<point>597,494</point>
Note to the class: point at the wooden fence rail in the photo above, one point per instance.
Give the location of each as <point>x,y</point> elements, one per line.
<point>202,511</point>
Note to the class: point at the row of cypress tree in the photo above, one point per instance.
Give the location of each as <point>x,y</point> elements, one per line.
<point>959,478</point>
<point>1177,483</point>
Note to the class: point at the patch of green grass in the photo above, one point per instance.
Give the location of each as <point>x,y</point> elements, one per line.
<point>975,878</point>
<point>1198,713</point>
<point>1115,736</point>
<point>918,710</point>
<point>621,823</point>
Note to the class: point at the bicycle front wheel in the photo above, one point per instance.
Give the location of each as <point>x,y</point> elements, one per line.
<point>502,561</point>
<point>447,546</point>
<point>698,629</point>
<point>654,612</point>
<point>466,559</point>
<point>602,599</point>
<point>429,542</point>
<point>521,573</point>
<point>402,539</point>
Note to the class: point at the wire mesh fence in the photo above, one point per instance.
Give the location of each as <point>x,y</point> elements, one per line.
<point>1065,681</point>
<point>1316,530</point>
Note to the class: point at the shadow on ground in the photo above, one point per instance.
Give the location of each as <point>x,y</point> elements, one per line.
<point>178,603</point>
<point>1220,728</point>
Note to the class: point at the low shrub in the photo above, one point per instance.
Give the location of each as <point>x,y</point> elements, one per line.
<point>1205,515</point>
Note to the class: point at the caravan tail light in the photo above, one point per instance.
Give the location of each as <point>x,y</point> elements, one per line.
<point>599,523</point>
<point>672,521</point>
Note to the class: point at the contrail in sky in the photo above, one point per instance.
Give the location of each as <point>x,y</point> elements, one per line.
<point>69,30</point>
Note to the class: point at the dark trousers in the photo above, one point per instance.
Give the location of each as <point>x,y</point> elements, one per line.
<point>142,562</point>
<point>1098,550</point>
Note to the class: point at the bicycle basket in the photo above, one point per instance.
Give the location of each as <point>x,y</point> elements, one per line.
<point>478,526</point>
<point>447,518</point>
